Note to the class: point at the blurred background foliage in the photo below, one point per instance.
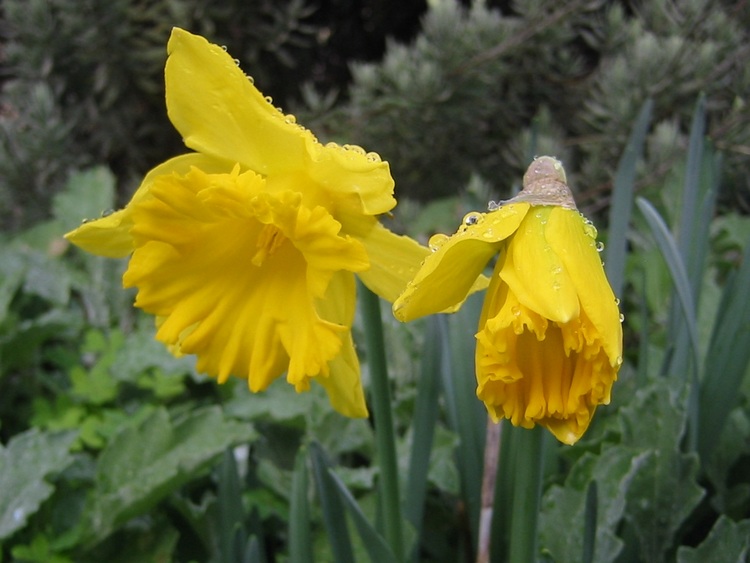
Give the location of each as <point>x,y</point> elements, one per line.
<point>113,450</point>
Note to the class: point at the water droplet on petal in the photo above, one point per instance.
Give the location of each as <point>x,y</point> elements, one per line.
<point>269,99</point>
<point>590,230</point>
<point>436,241</point>
<point>493,206</point>
<point>618,361</point>
<point>290,119</point>
<point>599,246</point>
<point>355,148</point>
<point>373,157</point>
<point>516,310</point>
<point>617,301</point>
<point>472,218</point>
<point>236,61</point>
<point>250,78</point>
<point>622,318</point>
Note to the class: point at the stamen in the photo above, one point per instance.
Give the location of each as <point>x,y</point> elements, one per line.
<point>269,240</point>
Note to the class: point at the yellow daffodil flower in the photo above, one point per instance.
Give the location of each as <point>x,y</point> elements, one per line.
<point>549,343</point>
<point>246,249</point>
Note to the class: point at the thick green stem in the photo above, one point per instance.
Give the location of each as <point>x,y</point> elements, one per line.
<point>384,433</point>
<point>528,469</point>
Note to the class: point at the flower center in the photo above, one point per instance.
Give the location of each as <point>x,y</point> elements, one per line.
<point>269,240</point>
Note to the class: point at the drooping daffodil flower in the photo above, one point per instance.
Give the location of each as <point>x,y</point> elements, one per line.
<point>549,341</point>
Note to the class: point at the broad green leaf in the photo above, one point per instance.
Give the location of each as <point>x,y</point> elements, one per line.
<point>728,542</point>
<point>664,486</point>
<point>26,463</point>
<point>147,461</point>
<point>565,506</point>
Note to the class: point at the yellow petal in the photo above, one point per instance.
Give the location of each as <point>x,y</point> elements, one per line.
<point>394,259</point>
<point>219,112</point>
<point>110,235</point>
<point>572,242</point>
<point>535,272</point>
<point>446,277</point>
<point>359,182</point>
<point>343,382</point>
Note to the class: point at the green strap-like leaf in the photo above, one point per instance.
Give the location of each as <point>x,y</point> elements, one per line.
<point>332,507</point>
<point>622,200</point>
<point>300,541</point>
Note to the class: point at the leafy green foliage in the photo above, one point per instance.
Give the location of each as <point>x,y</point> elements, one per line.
<point>26,463</point>
<point>142,463</point>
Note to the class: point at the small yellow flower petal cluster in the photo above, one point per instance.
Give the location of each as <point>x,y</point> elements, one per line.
<point>245,250</point>
<point>549,342</point>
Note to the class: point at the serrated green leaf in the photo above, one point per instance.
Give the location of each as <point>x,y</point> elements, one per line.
<point>663,489</point>
<point>728,542</point>
<point>145,462</point>
<point>26,463</point>
<point>39,550</point>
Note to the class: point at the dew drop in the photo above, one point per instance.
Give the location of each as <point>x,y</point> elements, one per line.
<point>493,206</point>
<point>472,218</point>
<point>436,241</point>
<point>236,61</point>
<point>488,234</point>
<point>617,301</point>
<point>599,246</point>
<point>250,78</point>
<point>590,230</point>
<point>622,318</point>
<point>355,148</point>
<point>332,145</point>
<point>224,47</point>
<point>516,311</point>
<point>290,119</point>
<point>556,286</point>
<point>373,157</point>
<point>618,361</point>
<point>269,99</point>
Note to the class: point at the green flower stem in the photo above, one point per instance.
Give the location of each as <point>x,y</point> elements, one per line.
<point>384,432</point>
<point>528,469</point>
